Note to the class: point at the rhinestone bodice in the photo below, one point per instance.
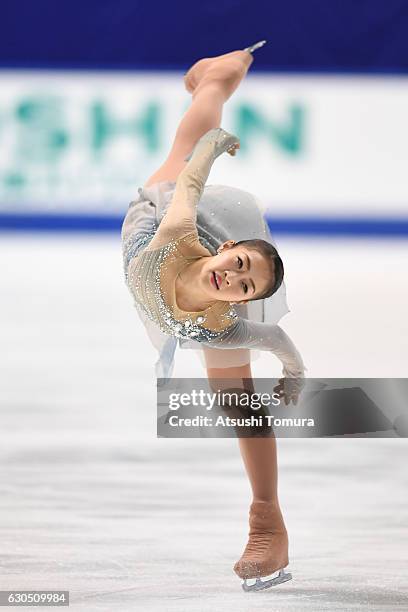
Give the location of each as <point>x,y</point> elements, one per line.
<point>151,279</point>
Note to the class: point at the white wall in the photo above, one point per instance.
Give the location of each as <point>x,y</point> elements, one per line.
<point>310,145</point>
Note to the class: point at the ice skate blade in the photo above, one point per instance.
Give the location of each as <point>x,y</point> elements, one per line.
<point>259,584</point>
<point>256,46</point>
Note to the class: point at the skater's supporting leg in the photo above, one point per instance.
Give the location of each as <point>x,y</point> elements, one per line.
<point>267,549</point>
<point>216,85</point>
<point>258,454</point>
<point>260,460</point>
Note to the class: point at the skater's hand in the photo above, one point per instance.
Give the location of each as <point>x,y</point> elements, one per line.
<point>232,151</point>
<point>289,389</point>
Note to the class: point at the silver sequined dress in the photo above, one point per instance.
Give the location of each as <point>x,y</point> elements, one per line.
<point>172,223</point>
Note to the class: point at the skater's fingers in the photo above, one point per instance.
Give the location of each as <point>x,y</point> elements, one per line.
<point>232,150</point>
<point>292,398</point>
<point>279,391</point>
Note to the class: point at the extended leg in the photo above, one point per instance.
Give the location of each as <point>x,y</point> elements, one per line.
<point>215,85</point>
<point>197,70</point>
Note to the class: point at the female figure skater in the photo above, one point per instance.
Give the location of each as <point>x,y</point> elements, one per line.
<point>197,281</point>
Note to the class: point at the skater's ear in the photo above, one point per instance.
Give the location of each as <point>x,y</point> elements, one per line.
<point>228,244</point>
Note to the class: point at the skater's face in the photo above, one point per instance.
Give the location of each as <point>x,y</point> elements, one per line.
<point>236,274</point>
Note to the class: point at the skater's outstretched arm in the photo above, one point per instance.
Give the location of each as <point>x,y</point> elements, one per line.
<point>180,217</point>
<point>267,337</point>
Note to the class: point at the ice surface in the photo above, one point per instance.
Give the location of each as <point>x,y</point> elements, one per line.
<point>92,502</point>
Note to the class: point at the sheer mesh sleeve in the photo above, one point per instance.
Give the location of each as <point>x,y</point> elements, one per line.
<point>180,218</point>
<point>266,337</point>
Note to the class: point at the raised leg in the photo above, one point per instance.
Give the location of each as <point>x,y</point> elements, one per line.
<point>213,86</point>
<point>194,75</point>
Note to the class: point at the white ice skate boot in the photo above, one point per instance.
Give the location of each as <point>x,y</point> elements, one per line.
<point>195,73</point>
<point>266,554</point>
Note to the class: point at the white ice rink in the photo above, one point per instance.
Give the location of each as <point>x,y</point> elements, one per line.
<point>92,502</point>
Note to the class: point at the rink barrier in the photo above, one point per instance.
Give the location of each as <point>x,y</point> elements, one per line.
<point>305,226</point>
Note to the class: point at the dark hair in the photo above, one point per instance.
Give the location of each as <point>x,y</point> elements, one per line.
<point>271,255</point>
